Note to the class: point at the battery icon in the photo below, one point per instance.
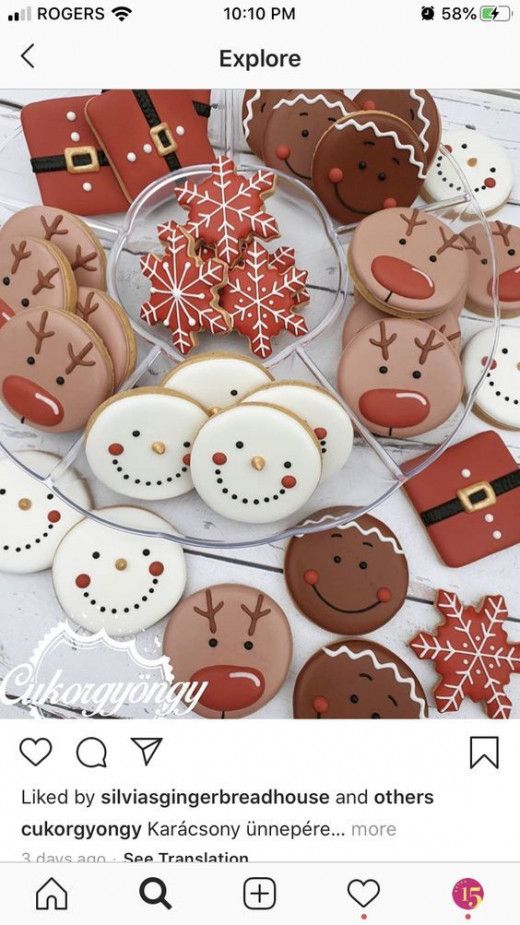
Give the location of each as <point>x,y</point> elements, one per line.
<point>495,13</point>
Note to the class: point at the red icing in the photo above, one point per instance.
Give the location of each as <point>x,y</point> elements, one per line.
<point>508,285</point>
<point>219,459</point>
<point>283,152</point>
<point>490,182</point>
<point>83,581</point>
<point>288,481</point>
<point>230,687</point>
<point>449,148</point>
<point>115,449</point>
<point>390,203</point>
<point>335,174</point>
<point>493,363</point>
<point>384,595</point>
<point>30,400</point>
<point>369,104</point>
<point>320,432</point>
<point>401,277</point>
<point>320,705</point>
<point>53,517</point>
<point>311,577</point>
<point>156,569</point>
<point>6,313</point>
<point>394,408</point>
<point>187,459</point>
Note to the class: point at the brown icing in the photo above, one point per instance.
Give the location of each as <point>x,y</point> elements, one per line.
<point>417,107</point>
<point>110,322</point>
<point>34,273</point>
<point>257,106</point>
<point>362,313</point>
<point>506,243</point>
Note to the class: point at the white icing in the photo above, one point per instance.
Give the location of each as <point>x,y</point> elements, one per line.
<point>489,518</point>
<point>353,524</point>
<point>87,187</point>
<point>492,162</point>
<point>71,116</point>
<point>116,588</point>
<point>497,535</point>
<point>465,473</point>
<point>270,437</point>
<point>74,136</point>
<point>29,524</point>
<point>362,127</point>
<point>180,130</point>
<point>164,422</point>
<point>131,156</point>
<point>421,116</point>
<point>147,149</point>
<point>249,112</point>
<point>503,408</point>
<point>213,380</point>
<point>409,682</point>
<point>311,100</point>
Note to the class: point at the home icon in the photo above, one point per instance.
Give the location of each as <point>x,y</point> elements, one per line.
<point>51,896</point>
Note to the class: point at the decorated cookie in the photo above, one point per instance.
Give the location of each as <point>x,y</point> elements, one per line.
<point>6,313</point>
<point>110,322</point>
<point>227,208</point>
<point>321,411</point>
<point>260,297</point>
<point>257,106</point>
<point>217,380</point>
<point>485,165</point>
<point>139,442</point>
<point>122,582</point>
<point>417,107</point>
<point>184,291</point>
<point>366,162</point>
<point>407,262</point>
<point>506,245</point>
<point>70,235</point>
<point>34,273</point>
<point>255,463</point>
<point>349,579</point>
<point>296,124</point>
<point>235,639</point>
<point>401,377</point>
<point>54,370</point>
<point>33,518</point>
<point>357,679</point>
<point>363,313</point>
<point>498,398</point>
<point>472,654</point>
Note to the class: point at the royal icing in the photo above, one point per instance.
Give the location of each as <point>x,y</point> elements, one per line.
<point>34,273</point>
<point>498,397</point>
<point>506,247</point>
<point>217,380</point>
<point>416,107</point>
<point>110,322</point>
<point>257,106</point>
<point>484,164</point>
<point>362,313</point>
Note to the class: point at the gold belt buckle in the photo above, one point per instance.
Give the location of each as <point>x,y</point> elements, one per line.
<point>156,132</point>
<point>71,153</point>
<point>465,494</point>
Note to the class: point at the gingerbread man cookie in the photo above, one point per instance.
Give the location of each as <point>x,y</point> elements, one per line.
<point>485,165</point>
<point>351,578</point>
<point>417,107</point>
<point>401,377</point>
<point>366,162</point>
<point>110,322</point>
<point>33,518</point>
<point>235,639</point>
<point>122,582</point>
<point>357,679</point>
<point>498,398</point>
<point>506,246</point>
<point>217,380</point>
<point>54,370</point>
<point>362,313</point>
<point>255,463</point>
<point>257,106</point>
<point>34,273</point>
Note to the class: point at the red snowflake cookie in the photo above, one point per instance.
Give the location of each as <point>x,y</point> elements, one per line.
<point>284,258</point>
<point>472,653</point>
<point>227,209</point>
<point>184,292</point>
<point>259,299</point>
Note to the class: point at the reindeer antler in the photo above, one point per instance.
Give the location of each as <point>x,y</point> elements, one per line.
<point>503,232</point>
<point>211,611</point>
<point>412,222</point>
<point>88,308</point>
<point>82,260</point>
<point>53,228</point>
<point>19,254</point>
<point>385,341</point>
<point>44,280</point>
<point>255,614</point>
<point>470,242</point>
<point>79,359</point>
<point>428,346</point>
<point>448,242</point>
<point>41,334</point>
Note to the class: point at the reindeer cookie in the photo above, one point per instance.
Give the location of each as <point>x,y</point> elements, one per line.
<point>506,245</point>
<point>54,370</point>
<point>217,380</point>
<point>69,234</point>
<point>409,263</point>
<point>362,313</point>
<point>237,640</point>
<point>34,273</point>
<point>401,377</point>
<point>110,322</point>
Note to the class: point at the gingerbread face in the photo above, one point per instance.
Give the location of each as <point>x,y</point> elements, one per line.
<point>506,244</point>
<point>417,107</point>
<point>407,262</point>
<point>367,162</point>
<point>54,371</point>
<point>484,164</point>
<point>34,273</point>
<point>257,106</point>
<point>401,377</point>
<point>237,640</point>
<point>498,398</point>
<point>356,679</point>
<point>348,579</point>
<point>295,126</point>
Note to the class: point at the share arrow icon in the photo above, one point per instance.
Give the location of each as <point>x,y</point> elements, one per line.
<point>148,748</point>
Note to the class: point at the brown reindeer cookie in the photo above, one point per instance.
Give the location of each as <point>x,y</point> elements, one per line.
<point>34,273</point>
<point>110,322</point>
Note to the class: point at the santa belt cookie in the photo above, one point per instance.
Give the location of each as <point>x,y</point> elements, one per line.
<point>475,498</point>
<point>160,131</point>
<point>80,159</point>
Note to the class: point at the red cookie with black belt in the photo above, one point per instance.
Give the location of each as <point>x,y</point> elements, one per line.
<point>367,162</point>
<point>417,107</point>
<point>350,578</point>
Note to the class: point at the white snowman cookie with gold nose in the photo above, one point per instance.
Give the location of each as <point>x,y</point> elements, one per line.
<point>484,164</point>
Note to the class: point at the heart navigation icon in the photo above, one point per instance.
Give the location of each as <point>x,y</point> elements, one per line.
<point>363,892</point>
<point>35,750</point>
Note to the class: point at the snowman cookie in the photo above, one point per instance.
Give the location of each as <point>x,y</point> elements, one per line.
<point>54,370</point>
<point>235,639</point>
<point>417,107</point>
<point>34,273</point>
<point>407,262</point>
<point>139,442</point>
<point>33,518</point>
<point>255,463</point>
<point>321,411</point>
<point>498,398</point>
<point>401,377</point>
<point>110,322</point>
<point>122,582</point>
<point>366,162</point>
<point>484,164</point>
<point>217,380</point>
<point>357,679</point>
<point>506,245</point>
<point>362,313</point>
<point>69,234</point>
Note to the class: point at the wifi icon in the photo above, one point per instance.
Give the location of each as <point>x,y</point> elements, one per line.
<point>121,12</point>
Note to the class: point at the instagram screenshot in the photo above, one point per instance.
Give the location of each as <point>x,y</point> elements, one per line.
<point>259,462</point>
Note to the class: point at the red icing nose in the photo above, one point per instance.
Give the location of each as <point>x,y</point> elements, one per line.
<point>283,152</point>
<point>394,407</point>
<point>230,687</point>
<point>29,400</point>
<point>508,285</point>
<point>6,312</point>
<point>401,277</point>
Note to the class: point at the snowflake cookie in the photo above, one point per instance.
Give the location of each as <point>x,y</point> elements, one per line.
<point>260,297</point>
<point>472,653</point>
<point>184,293</point>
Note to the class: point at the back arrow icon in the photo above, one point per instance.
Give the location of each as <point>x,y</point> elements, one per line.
<point>26,52</point>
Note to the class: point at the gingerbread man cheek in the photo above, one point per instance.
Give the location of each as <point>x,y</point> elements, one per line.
<point>311,577</point>
<point>384,595</point>
<point>320,705</point>
<point>283,152</point>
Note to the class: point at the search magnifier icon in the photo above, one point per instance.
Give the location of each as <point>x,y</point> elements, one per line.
<point>153,892</point>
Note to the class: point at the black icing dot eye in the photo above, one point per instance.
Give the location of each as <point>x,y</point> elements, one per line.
<point>213,643</point>
<point>136,433</point>
<point>484,261</point>
<point>363,565</point>
<point>433,258</point>
<point>2,491</point>
<point>25,303</point>
<point>417,374</point>
<point>402,241</point>
<point>464,146</point>
<point>187,444</point>
<point>381,176</point>
<point>31,361</point>
<point>492,170</point>
<point>337,559</point>
<point>50,497</point>
<point>248,645</point>
<point>305,133</point>
<point>287,465</point>
<point>60,380</point>
<point>511,252</point>
<point>6,280</point>
<point>96,555</point>
<point>378,715</point>
<point>383,369</point>
<point>234,392</point>
<point>362,165</point>
<point>239,445</point>
<point>354,698</point>
<point>505,350</point>
<point>146,552</point>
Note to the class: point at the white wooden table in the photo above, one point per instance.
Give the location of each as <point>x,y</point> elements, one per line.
<point>28,608</point>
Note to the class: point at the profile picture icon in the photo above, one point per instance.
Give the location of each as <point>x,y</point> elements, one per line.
<point>428,12</point>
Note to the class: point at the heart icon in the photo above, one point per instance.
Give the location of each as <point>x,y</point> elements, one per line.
<point>35,750</point>
<point>363,892</point>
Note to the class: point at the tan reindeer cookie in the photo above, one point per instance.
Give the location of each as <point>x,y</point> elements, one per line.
<point>34,273</point>
<point>110,322</point>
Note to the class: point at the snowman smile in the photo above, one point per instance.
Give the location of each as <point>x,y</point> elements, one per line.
<point>286,482</point>
<point>83,582</point>
<point>22,547</point>
<point>116,462</point>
